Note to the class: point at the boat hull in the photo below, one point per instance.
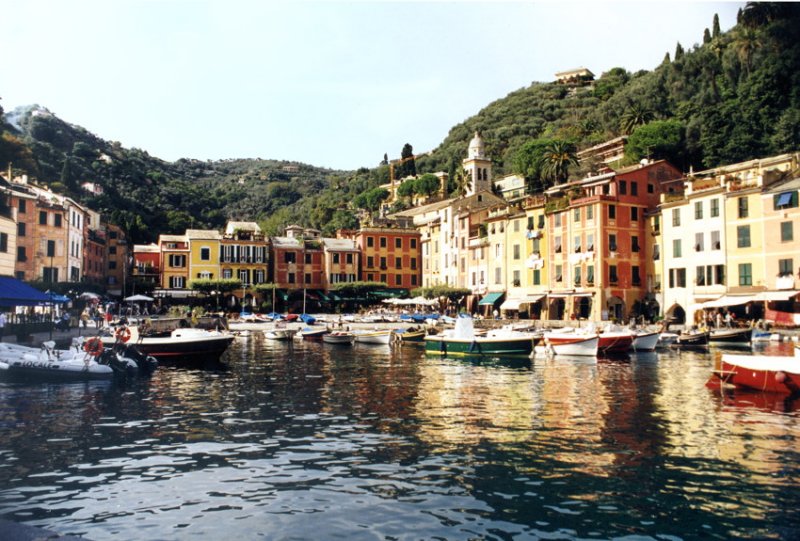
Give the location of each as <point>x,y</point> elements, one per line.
<point>614,342</point>
<point>646,341</point>
<point>575,345</point>
<point>341,339</point>
<point>176,349</point>
<point>478,346</point>
<point>416,337</point>
<point>280,334</point>
<point>731,336</point>
<point>760,373</point>
<point>379,337</point>
<point>699,339</point>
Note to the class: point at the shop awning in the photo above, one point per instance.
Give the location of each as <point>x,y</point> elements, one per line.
<point>13,292</point>
<point>515,303</point>
<point>491,298</point>
<point>323,297</point>
<point>771,296</point>
<point>729,300</point>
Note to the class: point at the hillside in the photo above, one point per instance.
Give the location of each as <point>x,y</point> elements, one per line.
<point>732,97</point>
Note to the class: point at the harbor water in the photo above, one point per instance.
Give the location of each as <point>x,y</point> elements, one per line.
<point>316,441</point>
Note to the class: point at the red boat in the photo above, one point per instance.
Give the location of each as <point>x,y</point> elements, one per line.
<point>615,341</point>
<point>760,372</point>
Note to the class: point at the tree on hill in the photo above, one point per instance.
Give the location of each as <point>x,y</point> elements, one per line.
<point>659,139</point>
<point>406,167</point>
<point>557,158</point>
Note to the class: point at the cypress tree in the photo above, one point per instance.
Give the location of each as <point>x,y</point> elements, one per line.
<point>715,31</point>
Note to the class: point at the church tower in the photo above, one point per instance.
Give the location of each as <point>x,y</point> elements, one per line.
<point>478,166</point>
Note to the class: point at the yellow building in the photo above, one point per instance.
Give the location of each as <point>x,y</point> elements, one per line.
<point>174,264</point>
<point>204,254</point>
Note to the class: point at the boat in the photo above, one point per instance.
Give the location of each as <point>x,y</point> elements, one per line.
<point>185,344</point>
<point>87,360</point>
<point>308,319</point>
<point>666,339</point>
<point>339,337</point>
<point>570,343</point>
<point>374,337</point>
<point>279,334</point>
<point>411,335</point>
<point>614,341</point>
<point>737,336</point>
<point>692,338</point>
<point>766,373</point>
<point>463,341</point>
<point>645,341</point>
<point>309,333</point>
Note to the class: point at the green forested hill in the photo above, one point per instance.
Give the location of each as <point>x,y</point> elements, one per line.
<point>734,96</point>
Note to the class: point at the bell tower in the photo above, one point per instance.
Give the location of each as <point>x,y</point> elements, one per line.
<point>478,166</point>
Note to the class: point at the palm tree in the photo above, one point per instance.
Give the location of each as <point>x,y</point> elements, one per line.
<point>746,42</point>
<point>636,115</point>
<point>557,158</point>
<point>463,182</point>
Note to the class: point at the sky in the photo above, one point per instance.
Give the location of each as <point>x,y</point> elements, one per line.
<point>329,83</point>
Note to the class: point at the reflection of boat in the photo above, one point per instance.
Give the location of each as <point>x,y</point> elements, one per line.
<point>374,337</point>
<point>180,344</point>
<point>734,336</point>
<point>645,341</point>
<point>462,340</point>
<point>573,344</point>
<point>760,372</point>
<point>692,339</point>
<point>339,337</point>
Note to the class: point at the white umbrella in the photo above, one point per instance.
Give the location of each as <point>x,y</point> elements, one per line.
<point>135,298</point>
<point>89,295</point>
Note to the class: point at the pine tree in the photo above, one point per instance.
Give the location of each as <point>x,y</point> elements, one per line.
<point>679,51</point>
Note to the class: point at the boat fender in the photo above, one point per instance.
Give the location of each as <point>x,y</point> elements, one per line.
<point>780,377</point>
<point>93,346</point>
<point>123,334</point>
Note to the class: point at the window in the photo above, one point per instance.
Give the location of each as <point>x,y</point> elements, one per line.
<point>785,267</point>
<point>623,187</point>
<point>590,275</point>
<point>700,276</point>
<point>335,259</point>
<point>557,219</point>
<point>698,210</point>
<point>785,200</point>
<point>112,250</point>
<point>383,242</point>
<point>370,241</point>
<point>787,231</point>
<point>676,217</point>
<point>634,214</point>
<point>715,244</point>
<point>656,252</point>
<point>612,243</point>
<point>576,215</point>
<point>516,279</point>
<point>537,277</point>
<point>289,257</point>
<point>698,242</point>
<point>577,244</point>
<point>636,277</point>
<point>590,242</point>
<point>540,224</point>
<point>398,280</point>
<point>21,254</point>
<point>677,277</point>
<point>370,262</point>
<point>4,242</point>
<point>498,275</point>
<point>413,263</point>
<point>516,251</point>
<point>634,188</point>
<point>745,274</point>
<point>612,212</point>
<point>57,220</point>
<point>559,273</point>
<point>23,206</point>
<point>676,248</point>
<point>577,272</point>
<point>612,274</point>
<point>714,208</point>
<point>398,262</point>
<point>21,229</point>
<point>558,245</point>
<point>743,236</point>
<point>42,217</point>
<point>348,259</point>
<point>651,188</point>
<point>743,209</point>
<point>205,253</point>
<point>413,244</point>
<point>398,243</point>
<point>634,243</point>
<point>177,261</point>
<point>51,248</point>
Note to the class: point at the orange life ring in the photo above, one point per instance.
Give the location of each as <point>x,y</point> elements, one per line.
<point>93,346</point>
<point>123,334</point>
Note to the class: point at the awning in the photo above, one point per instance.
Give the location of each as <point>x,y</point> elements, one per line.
<point>491,298</point>
<point>323,297</point>
<point>770,296</point>
<point>13,292</point>
<point>729,300</point>
<point>515,303</point>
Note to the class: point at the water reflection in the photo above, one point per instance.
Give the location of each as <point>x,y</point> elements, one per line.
<point>304,440</point>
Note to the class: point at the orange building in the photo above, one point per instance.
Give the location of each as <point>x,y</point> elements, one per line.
<point>390,255</point>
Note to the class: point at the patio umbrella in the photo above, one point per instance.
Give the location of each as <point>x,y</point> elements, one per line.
<point>138,298</point>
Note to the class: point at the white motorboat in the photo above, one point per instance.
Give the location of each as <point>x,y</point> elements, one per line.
<point>279,334</point>
<point>184,344</point>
